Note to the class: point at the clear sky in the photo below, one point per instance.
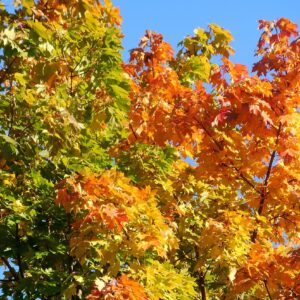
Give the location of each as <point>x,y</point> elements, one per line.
<point>177,18</point>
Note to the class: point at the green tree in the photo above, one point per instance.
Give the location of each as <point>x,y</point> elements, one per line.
<point>63,105</point>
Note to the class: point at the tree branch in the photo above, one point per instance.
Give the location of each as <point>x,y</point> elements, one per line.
<point>202,286</point>
<point>12,106</point>
<point>19,258</point>
<point>267,177</point>
<point>245,179</point>
<point>10,268</point>
<point>201,278</point>
<point>263,194</point>
<point>220,148</point>
<point>266,286</point>
<point>4,75</point>
<point>134,133</point>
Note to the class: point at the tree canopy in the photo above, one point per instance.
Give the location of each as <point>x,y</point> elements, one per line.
<point>175,175</point>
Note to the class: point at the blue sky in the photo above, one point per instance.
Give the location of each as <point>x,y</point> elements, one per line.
<point>177,18</point>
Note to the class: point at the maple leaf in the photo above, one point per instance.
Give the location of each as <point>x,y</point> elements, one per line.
<point>287,27</point>
<point>113,217</point>
<point>121,288</point>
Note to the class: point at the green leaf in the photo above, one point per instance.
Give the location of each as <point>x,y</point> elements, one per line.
<point>119,91</point>
<point>20,78</point>
<point>8,139</point>
<point>40,29</point>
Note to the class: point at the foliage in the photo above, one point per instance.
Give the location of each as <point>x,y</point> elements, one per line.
<point>97,198</point>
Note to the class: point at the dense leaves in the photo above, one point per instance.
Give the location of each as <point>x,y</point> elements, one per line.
<point>172,176</point>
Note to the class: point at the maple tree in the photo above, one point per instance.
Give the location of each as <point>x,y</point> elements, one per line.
<point>97,197</point>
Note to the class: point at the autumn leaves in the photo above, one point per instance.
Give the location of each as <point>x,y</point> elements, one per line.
<point>98,198</point>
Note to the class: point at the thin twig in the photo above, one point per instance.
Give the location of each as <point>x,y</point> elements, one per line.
<point>266,181</point>
<point>19,258</point>
<point>10,268</point>
<point>244,178</point>
<point>12,106</point>
<point>268,174</point>
<point>266,286</point>
<point>220,148</point>
<point>134,133</point>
